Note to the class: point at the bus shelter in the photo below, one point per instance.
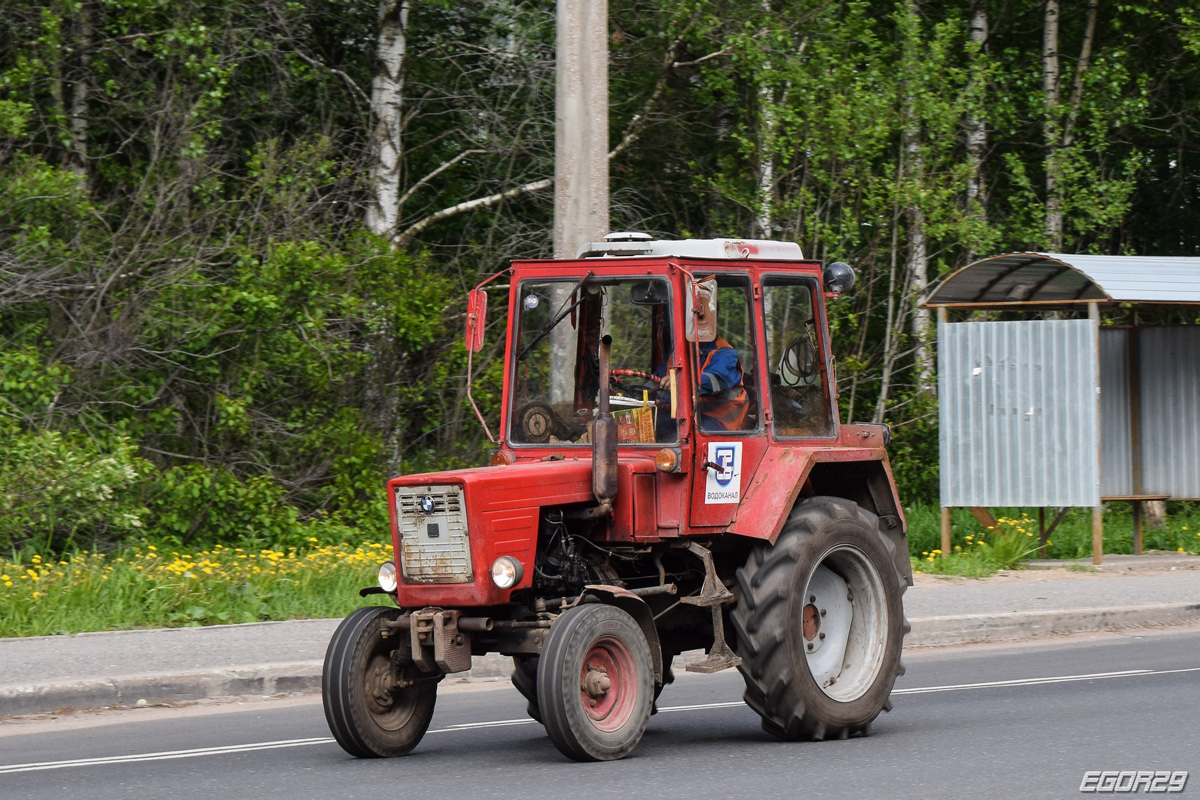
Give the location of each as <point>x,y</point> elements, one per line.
<point>1059,410</point>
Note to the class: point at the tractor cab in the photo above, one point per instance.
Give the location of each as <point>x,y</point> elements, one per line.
<point>716,349</point>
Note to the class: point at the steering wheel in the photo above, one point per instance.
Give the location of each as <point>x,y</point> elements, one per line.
<point>615,376</point>
<point>537,423</point>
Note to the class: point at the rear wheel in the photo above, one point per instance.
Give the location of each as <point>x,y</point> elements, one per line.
<point>373,708</point>
<point>595,683</point>
<point>820,624</point>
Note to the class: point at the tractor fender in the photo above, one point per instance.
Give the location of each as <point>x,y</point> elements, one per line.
<point>862,475</point>
<point>635,607</point>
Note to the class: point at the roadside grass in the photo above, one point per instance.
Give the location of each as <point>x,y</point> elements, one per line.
<point>977,552</point>
<point>154,586</point>
<point>144,587</point>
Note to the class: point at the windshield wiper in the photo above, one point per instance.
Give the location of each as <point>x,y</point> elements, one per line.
<point>567,308</point>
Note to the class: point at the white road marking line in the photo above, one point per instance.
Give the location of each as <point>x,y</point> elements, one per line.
<point>1096,676</point>
<point>163,756</point>
<point>465,726</point>
<point>669,709</point>
<point>1022,682</point>
<point>497,723</point>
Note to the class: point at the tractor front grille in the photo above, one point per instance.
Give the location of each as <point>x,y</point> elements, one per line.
<point>434,546</point>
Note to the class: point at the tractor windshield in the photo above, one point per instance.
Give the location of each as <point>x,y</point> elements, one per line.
<point>556,371</point>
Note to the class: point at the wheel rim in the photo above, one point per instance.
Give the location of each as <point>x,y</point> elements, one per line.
<point>608,684</point>
<point>390,706</point>
<point>844,623</point>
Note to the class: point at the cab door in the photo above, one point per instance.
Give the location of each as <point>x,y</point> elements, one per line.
<point>727,418</point>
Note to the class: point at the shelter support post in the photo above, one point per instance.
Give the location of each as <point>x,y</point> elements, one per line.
<point>1098,511</point>
<point>945,532</point>
<point>1137,527</point>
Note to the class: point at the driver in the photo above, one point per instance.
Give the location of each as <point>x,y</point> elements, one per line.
<point>724,404</point>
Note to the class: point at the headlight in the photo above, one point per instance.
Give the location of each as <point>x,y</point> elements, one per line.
<point>387,576</point>
<point>506,572</point>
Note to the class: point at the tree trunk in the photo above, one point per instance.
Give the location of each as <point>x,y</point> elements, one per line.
<point>918,258</point>
<point>1156,513</point>
<point>976,125</point>
<point>890,338</point>
<point>1052,134</point>
<point>1085,57</point>
<point>387,96</point>
<point>766,164</point>
<point>918,272</point>
<point>77,114</point>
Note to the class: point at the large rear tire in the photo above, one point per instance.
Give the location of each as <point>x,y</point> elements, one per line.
<point>595,683</point>
<point>820,624</point>
<point>372,708</point>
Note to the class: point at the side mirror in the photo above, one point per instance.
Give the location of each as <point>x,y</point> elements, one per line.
<point>838,277</point>
<point>701,324</point>
<point>476,319</point>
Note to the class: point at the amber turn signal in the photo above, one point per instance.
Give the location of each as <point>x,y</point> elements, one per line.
<point>502,458</point>
<point>667,460</point>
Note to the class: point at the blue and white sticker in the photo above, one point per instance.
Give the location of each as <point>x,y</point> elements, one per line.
<point>724,484</point>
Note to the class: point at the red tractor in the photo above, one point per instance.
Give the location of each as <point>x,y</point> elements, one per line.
<point>671,475</point>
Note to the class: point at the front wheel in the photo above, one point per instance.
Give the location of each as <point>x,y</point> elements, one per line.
<point>524,678</point>
<point>595,683</point>
<point>374,709</point>
<point>820,624</point>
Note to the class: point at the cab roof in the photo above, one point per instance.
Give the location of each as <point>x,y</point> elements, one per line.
<point>632,245</point>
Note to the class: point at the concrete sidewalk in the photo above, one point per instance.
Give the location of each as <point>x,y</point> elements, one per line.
<point>48,673</point>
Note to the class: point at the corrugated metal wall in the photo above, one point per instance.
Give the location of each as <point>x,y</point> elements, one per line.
<point>1169,422</point>
<point>1019,421</point>
<point>1116,444</point>
<point>1169,376</point>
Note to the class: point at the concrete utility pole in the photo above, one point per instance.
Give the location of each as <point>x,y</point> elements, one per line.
<point>581,125</point>
<point>580,153</point>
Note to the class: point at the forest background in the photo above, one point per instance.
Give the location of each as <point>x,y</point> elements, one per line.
<point>236,237</point>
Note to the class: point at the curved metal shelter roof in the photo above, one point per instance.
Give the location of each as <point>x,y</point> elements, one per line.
<point>1016,279</point>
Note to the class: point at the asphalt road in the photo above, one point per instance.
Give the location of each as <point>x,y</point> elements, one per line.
<point>1023,721</point>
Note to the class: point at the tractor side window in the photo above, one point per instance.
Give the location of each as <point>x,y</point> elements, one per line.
<point>727,392</point>
<point>800,397</point>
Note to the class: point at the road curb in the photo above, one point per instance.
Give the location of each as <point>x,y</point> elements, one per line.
<point>305,676</point>
<point>163,687</point>
<point>980,628</point>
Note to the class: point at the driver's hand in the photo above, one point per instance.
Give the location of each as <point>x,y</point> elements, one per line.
<point>664,381</point>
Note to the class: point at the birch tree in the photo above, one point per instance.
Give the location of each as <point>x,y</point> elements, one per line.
<point>976,123</point>
<point>387,105</point>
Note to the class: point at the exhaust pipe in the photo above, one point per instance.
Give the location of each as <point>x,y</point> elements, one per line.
<point>604,440</point>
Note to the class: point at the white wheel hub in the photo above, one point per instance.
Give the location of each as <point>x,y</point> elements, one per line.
<point>844,623</point>
<point>826,625</point>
